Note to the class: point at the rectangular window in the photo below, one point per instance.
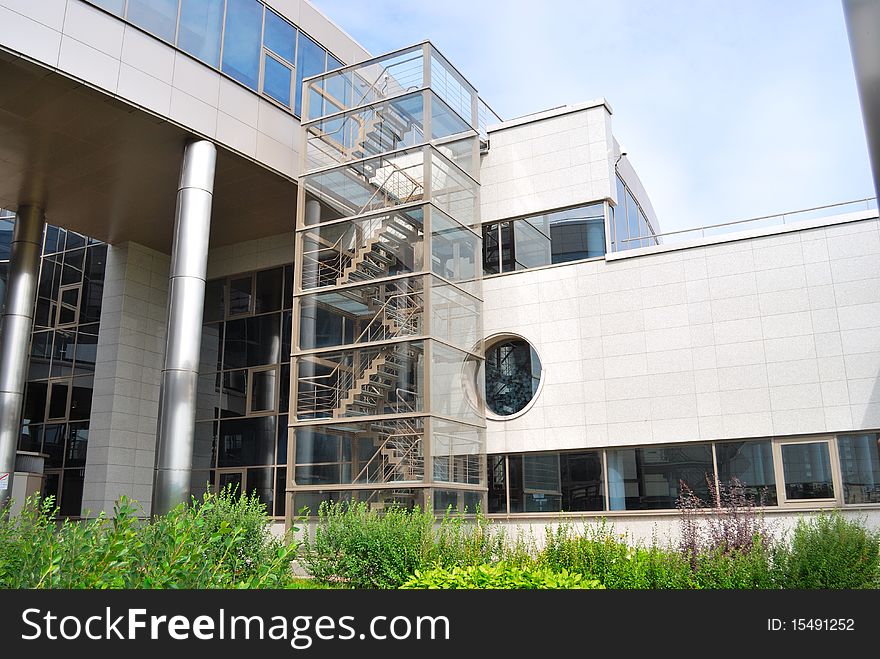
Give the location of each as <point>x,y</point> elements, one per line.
<point>242,41</point>
<point>491,264</point>
<point>620,223</point>
<point>58,400</point>
<point>276,80</point>
<point>113,6</point>
<point>806,471</point>
<point>279,36</point>
<point>751,465</point>
<point>241,293</point>
<point>262,395</point>
<point>201,22</point>
<point>632,214</point>
<point>583,484</point>
<point>860,467</point>
<point>68,305</point>
<point>651,478</point>
<point>158,17</point>
<point>310,60</point>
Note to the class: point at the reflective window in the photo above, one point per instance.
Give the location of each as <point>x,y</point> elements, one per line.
<point>158,17</point>
<point>513,373</point>
<point>201,22</point>
<point>280,36</point>
<point>276,80</point>
<point>310,60</point>
<point>807,471</point>
<point>750,464</point>
<point>241,42</point>
<point>113,6</point>
<point>860,467</point>
<point>650,478</point>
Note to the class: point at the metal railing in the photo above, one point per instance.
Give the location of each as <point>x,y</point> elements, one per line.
<point>776,219</point>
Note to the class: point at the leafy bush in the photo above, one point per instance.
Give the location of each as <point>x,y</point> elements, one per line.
<point>498,576</point>
<point>829,551</point>
<point>218,542</point>
<point>365,549</point>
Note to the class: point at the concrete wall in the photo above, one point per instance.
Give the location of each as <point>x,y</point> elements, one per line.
<point>101,50</point>
<point>549,160</point>
<point>125,402</point>
<point>772,335</point>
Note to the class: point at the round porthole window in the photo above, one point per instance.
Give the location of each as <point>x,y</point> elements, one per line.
<point>513,374</point>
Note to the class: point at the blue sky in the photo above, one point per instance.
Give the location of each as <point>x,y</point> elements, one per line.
<point>728,109</point>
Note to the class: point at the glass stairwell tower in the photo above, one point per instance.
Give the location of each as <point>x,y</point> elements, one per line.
<point>387,353</point>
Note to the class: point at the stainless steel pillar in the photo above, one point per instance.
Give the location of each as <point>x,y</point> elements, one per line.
<point>186,298</point>
<point>15,334</point>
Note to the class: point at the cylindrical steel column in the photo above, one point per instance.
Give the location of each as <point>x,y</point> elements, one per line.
<point>186,298</point>
<point>15,334</point>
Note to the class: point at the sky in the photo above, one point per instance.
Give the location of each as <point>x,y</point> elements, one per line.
<point>727,109</point>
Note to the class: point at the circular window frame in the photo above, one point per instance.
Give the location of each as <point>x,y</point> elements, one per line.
<point>488,342</point>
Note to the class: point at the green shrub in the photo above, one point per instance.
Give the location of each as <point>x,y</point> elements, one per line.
<point>218,542</point>
<point>460,541</point>
<point>362,548</point>
<point>498,576</point>
<point>829,551</point>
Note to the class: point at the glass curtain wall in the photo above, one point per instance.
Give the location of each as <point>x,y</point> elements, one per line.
<point>630,228</point>
<point>244,386</point>
<point>245,39</point>
<point>64,343</point>
<point>387,405</point>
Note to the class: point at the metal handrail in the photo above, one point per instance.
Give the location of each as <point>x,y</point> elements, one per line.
<point>704,228</point>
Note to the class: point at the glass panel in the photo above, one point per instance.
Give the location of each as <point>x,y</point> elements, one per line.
<point>578,233</point>
<point>860,466</point>
<point>58,401</point>
<point>453,191</point>
<point>807,471</point>
<point>268,293</point>
<point>455,316</point>
<point>34,402</point>
<point>200,24</point>
<point>513,373</point>
<point>204,452</point>
<point>81,398</point>
<point>497,483</point>
<point>31,438</point>
<point>262,483</point>
<point>263,391</point>
<point>208,395</point>
<point>158,17</point>
<point>372,248</point>
<point>254,341</point>
<point>458,453</point>
<point>280,37</point>
<point>632,213</point>
<point>77,444</point>
<point>242,39</point>
<point>53,444</point>
<point>368,381</point>
<point>231,481</point>
<point>280,491</point>
<point>310,60</point>
<point>113,6</point>
<point>66,316</point>
<point>212,342</point>
<point>583,486</point>
<point>491,245</point>
<point>233,396</point>
<point>62,353</point>
<point>93,284</point>
<point>276,80</point>
<point>451,87</point>
<point>86,349</point>
<point>76,240</point>
<point>454,377</point>
<point>374,312</point>
<point>454,250</point>
<point>508,252</point>
<point>71,492</point>
<point>240,292</point>
<point>750,463</point>
<point>215,304</point>
<point>650,478</point>
<point>245,442</point>
<point>532,242</point>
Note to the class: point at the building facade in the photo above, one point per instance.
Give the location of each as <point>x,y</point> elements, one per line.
<point>241,251</point>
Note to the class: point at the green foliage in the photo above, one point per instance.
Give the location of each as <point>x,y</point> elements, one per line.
<point>829,551</point>
<point>359,547</point>
<point>498,576</point>
<point>219,542</point>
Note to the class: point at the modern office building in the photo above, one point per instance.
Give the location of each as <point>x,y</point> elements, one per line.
<point>241,250</point>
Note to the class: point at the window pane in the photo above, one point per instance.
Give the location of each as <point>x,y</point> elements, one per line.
<point>532,238</point>
<point>245,442</point>
<point>81,399</point>
<point>310,58</point>
<point>491,263</point>
<point>113,6</point>
<point>53,444</point>
<point>632,214</point>
<point>268,293</point>
<point>241,44</point>
<point>583,486</point>
<point>276,80</point>
<point>72,491</point>
<point>77,444</point>
<point>240,295</point>
<point>66,316</point>
<point>513,373</point>
<point>650,478</point>
<point>280,37</point>
<point>58,401</point>
<point>158,17</point>
<point>280,491</point>
<point>86,348</point>
<point>860,466</point>
<point>93,284</point>
<point>620,224</point>
<point>750,463</point>
<point>263,391</point>
<point>807,470</point>
<point>200,25</point>
<point>262,483</point>
<point>214,300</point>
<point>233,400</point>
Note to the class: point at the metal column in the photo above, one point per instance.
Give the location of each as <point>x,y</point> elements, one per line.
<point>15,334</point>
<point>186,298</point>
